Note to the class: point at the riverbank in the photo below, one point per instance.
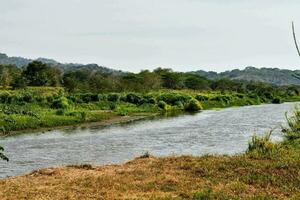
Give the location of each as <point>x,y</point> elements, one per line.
<point>114,120</point>
<point>47,108</point>
<point>247,176</point>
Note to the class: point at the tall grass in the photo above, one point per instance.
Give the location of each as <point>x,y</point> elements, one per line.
<point>292,131</point>
<point>262,146</point>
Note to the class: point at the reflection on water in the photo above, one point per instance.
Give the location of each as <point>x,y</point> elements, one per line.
<point>225,131</point>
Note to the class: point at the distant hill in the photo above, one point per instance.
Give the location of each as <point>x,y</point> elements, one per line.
<point>21,62</point>
<point>270,75</point>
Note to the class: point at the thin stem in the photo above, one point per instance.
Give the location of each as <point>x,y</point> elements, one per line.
<point>295,39</point>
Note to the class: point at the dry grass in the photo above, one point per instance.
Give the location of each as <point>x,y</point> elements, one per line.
<point>185,177</point>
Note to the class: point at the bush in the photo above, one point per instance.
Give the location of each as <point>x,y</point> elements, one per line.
<point>83,116</point>
<point>162,105</point>
<point>193,105</point>
<point>201,97</point>
<point>149,99</point>
<point>276,100</point>
<point>112,106</point>
<point>60,112</point>
<point>28,98</point>
<point>241,96</point>
<point>89,97</point>
<point>134,99</point>
<point>221,98</point>
<point>113,97</point>
<point>171,98</point>
<point>292,132</point>
<point>60,103</point>
<point>262,146</point>
<point>179,104</point>
<point>101,97</point>
<point>5,97</point>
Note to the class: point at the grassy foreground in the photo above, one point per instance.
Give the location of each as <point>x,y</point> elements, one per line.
<point>266,171</point>
<point>208,177</point>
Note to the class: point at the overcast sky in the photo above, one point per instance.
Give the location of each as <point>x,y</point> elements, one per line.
<point>138,34</point>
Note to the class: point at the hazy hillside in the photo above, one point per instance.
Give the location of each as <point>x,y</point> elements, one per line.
<point>20,62</point>
<point>270,75</point>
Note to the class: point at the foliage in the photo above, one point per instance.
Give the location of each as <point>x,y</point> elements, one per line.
<point>89,80</point>
<point>40,74</point>
<point>113,97</point>
<point>133,98</point>
<point>60,103</point>
<point>193,105</point>
<point>276,100</point>
<point>292,131</point>
<point>36,107</point>
<point>161,104</point>
<point>2,156</point>
<point>262,146</point>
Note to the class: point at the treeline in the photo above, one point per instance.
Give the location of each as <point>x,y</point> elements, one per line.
<point>85,80</point>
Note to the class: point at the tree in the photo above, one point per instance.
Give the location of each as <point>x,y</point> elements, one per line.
<point>103,83</point>
<point>77,80</point>
<point>170,79</point>
<point>2,156</point>
<point>41,74</point>
<point>151,80</point>
<point>7,74</point>
<point>196,82</point>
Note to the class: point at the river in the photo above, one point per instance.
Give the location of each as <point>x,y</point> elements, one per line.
<point>225,131</point>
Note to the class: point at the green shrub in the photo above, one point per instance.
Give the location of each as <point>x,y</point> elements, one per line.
<point>89,97</point>
<point>5,97</point>
<point>149,99</point>
<point>292,131</point>
<point>268,95</point>
<point>83,116</point>
<point>133,98</point>
<point>112,106</point>
<point>162,105</point>
<point>171,98</point>
<point>60,112</point>
<point>113,97</point>
<point>193,105</point>
<point>241,96</point>
<point>101,97</point>
<point>262,146</point>
<point>222,98</point>
<point>60,103</point>
<point>276,100</point>
<point>28,98</point>
<point>201,97</point>
<point>179,105</point>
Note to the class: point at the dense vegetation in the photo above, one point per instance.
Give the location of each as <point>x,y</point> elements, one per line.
<point>40,95</point>
<point>266,171</point>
